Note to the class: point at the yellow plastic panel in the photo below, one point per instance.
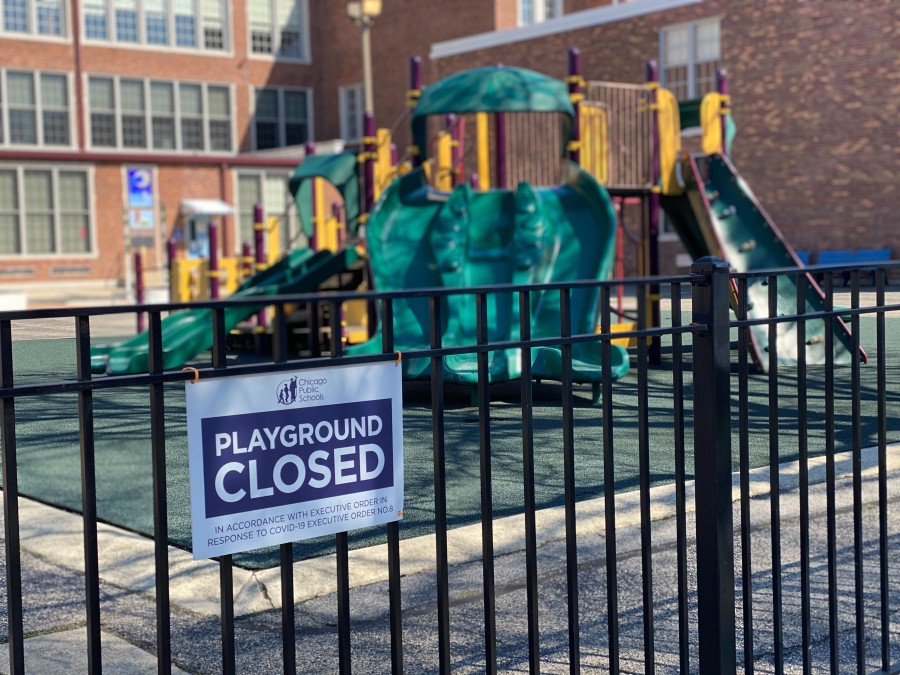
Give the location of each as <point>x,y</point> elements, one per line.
<point>443,179</point>
<point>483,144</point>
<point>384,170</point>
<point>273,238</point>
<point>594,142</point>
<point>669,140</point>
<point>711,123</point>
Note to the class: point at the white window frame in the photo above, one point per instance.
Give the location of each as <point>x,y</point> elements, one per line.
<point>54,170</point>
<point>305,57</point>
<point>32,33</point>
<point>38,110</point>
<point>692,61</point>
<point>357,89</point>
<point>539,8</point>
<point>148,116</point>
<point>282,119</point>
<point>170,45</point>
<point>291,225</point>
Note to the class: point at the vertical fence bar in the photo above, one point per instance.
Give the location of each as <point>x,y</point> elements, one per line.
<point>286,550</point>
<point>226,563</point>
<point>440,486</point>
<point>830,506</point>
<point>609,483</point>
<point>744,469</point>
<point>527,407</point>
<point>487,509</point>
<point>775,479</point>
<point>160,495</point>
<point>644,486</point>
<point>341,543</point>
<point>803,460</point>
<point>856,450</point>
<point>881,355</point>
<point>680,480</point>
<point>11,505</point>
<point>88,493</point>
<point>393,528</point>
<point>565,331</point>
<point>712,466</point>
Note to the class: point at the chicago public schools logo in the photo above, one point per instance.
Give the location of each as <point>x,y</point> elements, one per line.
<point>287,391</point>
<point>296,389</point>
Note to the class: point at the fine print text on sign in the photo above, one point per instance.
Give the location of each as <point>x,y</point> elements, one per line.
<point>284,457</point>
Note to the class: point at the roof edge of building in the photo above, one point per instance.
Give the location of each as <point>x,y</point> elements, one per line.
<point>568,22</point>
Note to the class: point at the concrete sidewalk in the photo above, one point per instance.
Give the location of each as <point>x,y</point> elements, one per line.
<point>52,558</point>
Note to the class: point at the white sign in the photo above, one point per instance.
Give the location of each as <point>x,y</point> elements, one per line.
<point>288,456</point>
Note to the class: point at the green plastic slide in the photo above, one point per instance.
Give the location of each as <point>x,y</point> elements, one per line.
<point>189,332</point>
<point>421,238</point>
<point>719,215</point>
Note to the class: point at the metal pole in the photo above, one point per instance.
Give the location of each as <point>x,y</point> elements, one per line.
<point>500,148</point>
<point>652,73</point>
<point>171,257</point>
<point>369,149</point>
<point>313,238</point>
<point>258,228</point>
<point>722,88</point>
<point>213,230</point>
<point>365,24</point>
<point>575,82</point>
<point>415,90</point>
<point>139,286</point>
<point>712,452</point>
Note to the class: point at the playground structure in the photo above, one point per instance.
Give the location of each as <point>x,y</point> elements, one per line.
<point>534,198</point>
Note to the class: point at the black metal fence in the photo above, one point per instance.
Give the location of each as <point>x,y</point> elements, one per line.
<point>738,586</point>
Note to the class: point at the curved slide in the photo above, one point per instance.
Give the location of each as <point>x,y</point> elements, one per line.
<point>189,332</point>
<point>421,238</point>
<point>719,215</point>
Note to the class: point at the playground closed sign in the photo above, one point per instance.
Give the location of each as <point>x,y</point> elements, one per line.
<point>290,456</point>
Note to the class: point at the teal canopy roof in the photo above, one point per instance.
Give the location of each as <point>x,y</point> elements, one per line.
<point>492,89</point>
<point>340,171</point>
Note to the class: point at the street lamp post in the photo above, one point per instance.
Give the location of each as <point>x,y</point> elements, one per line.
<point>364,13</point>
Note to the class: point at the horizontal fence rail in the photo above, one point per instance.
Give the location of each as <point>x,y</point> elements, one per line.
<point>726,509</point>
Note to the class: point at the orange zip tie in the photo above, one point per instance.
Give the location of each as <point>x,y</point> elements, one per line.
<point>196,373</point>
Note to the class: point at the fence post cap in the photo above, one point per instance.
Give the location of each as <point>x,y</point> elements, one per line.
<point>708,263</point>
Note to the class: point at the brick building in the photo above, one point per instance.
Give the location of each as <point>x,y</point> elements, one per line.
<point>115,114</point>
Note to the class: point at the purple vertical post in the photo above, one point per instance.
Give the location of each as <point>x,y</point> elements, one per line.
<point>369,150</point>
<point>652,73</point>
<point>213,230</point>
<point>575,95</point>
<point>722,88</point>
<point>474,182</point>
<point>415,90</point>
<point>171,254</point>
<point>246,260</point>
<point>452,122</point>
<point>393,155</point>
<point>259,250</point>
<point>500,148</point>
<point>139,286</point>
<point>313,238</point>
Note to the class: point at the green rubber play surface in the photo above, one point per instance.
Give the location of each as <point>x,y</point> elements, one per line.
<point>49,465</point>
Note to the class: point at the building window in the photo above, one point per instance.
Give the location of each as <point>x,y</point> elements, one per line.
<point>95,22</point>
<point>180,116</point>
<point>126,20</point>
<point>690,54</point>
<point>351,106</point>
<point>15,16</point>
<point>280,118</point>
<point>278,27</point>
<point>34,108</point>
<point>103,112</point>
<point>536,11</point>
<point>270,190</point>
<point>36,17</point>
<point>174,23</point>
<point>44,211</point>
<point>162,105</point>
